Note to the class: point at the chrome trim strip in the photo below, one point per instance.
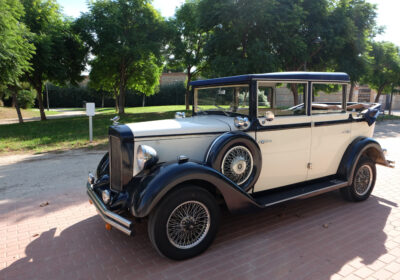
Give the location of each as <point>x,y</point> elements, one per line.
<point>310,194</point>
<point>113,219</point>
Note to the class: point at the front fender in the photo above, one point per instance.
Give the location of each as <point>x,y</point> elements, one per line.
<point>361,145</point>
<point>158,182</point>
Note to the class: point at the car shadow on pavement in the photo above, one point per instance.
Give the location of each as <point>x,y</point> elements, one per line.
<point>305,239</point>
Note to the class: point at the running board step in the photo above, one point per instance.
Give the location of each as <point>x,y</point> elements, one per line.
<point>272,197</point>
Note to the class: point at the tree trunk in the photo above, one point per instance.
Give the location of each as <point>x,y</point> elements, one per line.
<point>293,88</point>
<point>122,89</point>
<point>39,96</point>
<point>121,104</point>
<point>102,101</point>
<point>391,102</point>
<point>236,99</point>
<point>187,92</point>
<point>351,91</point>
<point>116,100</point>
<point>16,105</point>
<point>143,99</point>
<point>378,95</point>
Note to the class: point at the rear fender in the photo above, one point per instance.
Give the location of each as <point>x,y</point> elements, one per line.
<point>360,146</point>
<point>154,185</point>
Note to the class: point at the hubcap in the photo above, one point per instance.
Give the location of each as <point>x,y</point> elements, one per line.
<point>363,180</point>
<point>188,224</point>
<point>237,164</point>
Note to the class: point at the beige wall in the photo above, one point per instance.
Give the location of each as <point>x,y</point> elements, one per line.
<point>171,78</point>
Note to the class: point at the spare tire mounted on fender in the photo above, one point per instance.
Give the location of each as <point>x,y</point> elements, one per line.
<point>237,156</point>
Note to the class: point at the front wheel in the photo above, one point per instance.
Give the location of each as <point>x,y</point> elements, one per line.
<point>185,223</point>
<point>363,181</point>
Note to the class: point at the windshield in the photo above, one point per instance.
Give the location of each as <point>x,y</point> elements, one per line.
<point>228,100</point>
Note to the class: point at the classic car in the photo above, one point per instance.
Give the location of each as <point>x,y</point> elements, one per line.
<point>252,141</point>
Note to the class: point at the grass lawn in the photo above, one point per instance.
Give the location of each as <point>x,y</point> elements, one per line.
<point>388,117</point>
<point>11,113</point>
<point>72,132</point>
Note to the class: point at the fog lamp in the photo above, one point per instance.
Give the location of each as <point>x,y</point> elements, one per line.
<point>106,196</point>
<point>91,178</point>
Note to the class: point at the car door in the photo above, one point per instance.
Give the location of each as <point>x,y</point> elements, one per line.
<point>331,133</point>
<point>284,142</point>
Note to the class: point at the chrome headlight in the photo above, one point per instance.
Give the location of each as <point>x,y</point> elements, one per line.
<point>146,157</point>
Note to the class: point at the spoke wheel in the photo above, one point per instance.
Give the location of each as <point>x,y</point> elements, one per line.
<point>188,224</point>
<point>237,164</point>
<point>184,223</point>
<point>363,180</point>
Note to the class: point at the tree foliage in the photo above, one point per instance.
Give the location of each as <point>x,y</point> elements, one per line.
<point>125,36</point>
<point>15,48</point>
<point>253,36</point>
<point>60,54</point>
<point>384,67</point>
<point>187,43</point>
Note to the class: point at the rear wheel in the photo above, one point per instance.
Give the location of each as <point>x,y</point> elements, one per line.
<point>185,223</point>
<point>363,181</point>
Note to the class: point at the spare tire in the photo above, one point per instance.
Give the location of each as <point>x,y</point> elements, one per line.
<point>237,156</point>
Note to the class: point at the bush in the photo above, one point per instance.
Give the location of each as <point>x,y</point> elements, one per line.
<point>26,98</point>
<point>173,94</point>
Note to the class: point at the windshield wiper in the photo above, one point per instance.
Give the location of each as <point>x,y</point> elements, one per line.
<point>222,110</point>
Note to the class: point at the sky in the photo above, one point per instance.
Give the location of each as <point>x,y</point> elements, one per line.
<point>387,14</point>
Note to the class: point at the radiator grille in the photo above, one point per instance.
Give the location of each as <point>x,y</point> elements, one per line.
<point>115,163</point>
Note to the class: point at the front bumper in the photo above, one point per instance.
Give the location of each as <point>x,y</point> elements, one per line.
<point>115,220</point>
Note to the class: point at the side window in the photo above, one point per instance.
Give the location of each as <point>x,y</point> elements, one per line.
<point>327,98</point>
<point>282,99</point>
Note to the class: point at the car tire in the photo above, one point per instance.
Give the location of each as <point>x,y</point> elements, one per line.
<point>224,161</point>
<point>178,236</point>
<point>363,181</point>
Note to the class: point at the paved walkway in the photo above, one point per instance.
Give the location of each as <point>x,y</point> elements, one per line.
<point>61,114</point>
<point>320,238</point>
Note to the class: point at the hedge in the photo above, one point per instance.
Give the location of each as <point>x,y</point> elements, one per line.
<point>71,97</point>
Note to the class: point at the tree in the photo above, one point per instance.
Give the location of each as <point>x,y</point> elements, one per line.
<point>286,35</point>
<point>15,49</point>
<point>384,68</point>
<point>187,44</point>
<point>60,54</point>
<point>240,36</point>
<point>127,36</point>
<point>102,78</point>
<point>353,24</point>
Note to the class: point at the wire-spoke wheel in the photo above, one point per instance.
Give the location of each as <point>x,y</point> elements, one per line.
<point>185,223</point>
<point>237,164</point>
<point>188,224</point>
<point>363,181</point>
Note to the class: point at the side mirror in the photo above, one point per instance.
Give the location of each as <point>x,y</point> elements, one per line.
<point>269,116</point>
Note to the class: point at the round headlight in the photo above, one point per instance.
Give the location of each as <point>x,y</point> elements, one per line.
<point>146,157</point>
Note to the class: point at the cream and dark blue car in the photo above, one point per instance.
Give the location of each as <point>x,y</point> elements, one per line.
<point>252,141</point>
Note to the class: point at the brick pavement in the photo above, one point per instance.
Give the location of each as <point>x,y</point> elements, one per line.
<point>322,237</point>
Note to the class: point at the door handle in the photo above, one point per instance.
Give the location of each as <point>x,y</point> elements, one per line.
<point>347,131</point>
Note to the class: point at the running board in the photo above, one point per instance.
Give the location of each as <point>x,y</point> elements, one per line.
<point>298,192</point>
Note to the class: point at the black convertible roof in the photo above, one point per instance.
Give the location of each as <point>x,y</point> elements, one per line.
<point>280,76</point>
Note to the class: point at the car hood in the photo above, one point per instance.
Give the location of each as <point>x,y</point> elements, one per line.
<point>183,126</point>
